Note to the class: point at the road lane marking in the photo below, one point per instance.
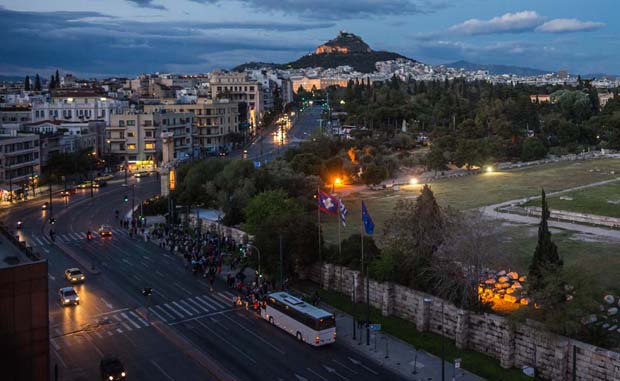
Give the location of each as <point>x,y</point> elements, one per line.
<point>220,297</point>
<point>199,317</point>
<point>155,290</point>
<point>357,362</point>
<point>54,343</point>
<point>183,309</point>
<point>161,370</point>
<point>344,366</point>
<point>255,335</point>
<point>51,276</point>
<point>126,326</point>
<point>316,374</point>
<point>152,310</point>
<point>99,335</point>
<point>231,345</point>
<point>173,310</point>
<point>111,312</point>
<point>229,294</point>
<point>216,302</point>
<point>64,364</point>
<point>160,309</point>
<point>110,333</point>
<point>195,303</point>
<point>119,330</point>
<point>185,304</point>
<point>333,371</point>
<point>110,306</point>
<point>139,318</point>
<point>128,319</point>
<point>158,273</point>
<point>182,288</point>
<point>206,303</point>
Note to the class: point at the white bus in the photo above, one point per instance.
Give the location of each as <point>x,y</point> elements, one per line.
<point>302,320</point>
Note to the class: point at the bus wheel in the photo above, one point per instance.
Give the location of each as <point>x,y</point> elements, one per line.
<point>299,336</point>
<point>270,320</point>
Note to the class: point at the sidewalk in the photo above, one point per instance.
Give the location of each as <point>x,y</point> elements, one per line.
<point>393,353</point>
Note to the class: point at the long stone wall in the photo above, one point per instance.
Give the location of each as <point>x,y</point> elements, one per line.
<point>514,345</point>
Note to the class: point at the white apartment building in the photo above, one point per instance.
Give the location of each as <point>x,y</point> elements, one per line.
<point>75,136</point>
<point>239,87</point>
<point>135,136</point>
<point>19,163</point>
<point>212,121</point>
<point>76,105</point>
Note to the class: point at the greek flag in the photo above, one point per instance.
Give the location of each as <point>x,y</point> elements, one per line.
<point>343,213</point>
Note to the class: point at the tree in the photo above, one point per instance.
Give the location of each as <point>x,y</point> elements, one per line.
<point>273,208</point>
<point>533,149</point>
<point>546,261</point>
<point>37,83</point>
<point>373,174</point>
<point>27,83</point>
<point>52,83</point>
<point>57,80</point>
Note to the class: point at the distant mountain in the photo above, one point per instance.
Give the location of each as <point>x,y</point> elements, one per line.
<point>347,49</point>
<point>11,78</point>
<point>497,69</point>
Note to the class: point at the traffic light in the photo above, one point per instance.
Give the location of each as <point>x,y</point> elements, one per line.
<point>125,199</point>
<point>52,220</point>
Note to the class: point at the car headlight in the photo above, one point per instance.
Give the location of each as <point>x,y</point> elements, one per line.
<point>82,277</point>
<point>123,374</point>
<point>110,378</point>
<point>77,298</point>
<point>72,278</point>
<point>66,300</point>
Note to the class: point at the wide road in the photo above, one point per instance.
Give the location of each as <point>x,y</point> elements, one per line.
<point>270,145</point>
<point>184,332</point>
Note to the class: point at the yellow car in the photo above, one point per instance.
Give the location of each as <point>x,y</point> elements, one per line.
<point>74,275</point>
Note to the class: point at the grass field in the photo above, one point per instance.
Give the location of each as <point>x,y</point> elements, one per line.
<point>598,259</point>
<point>475,191</point>
<point>603,200</point>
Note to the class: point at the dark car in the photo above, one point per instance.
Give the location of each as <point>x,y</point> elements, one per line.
<point>68,192</point>
<point>112,369</point>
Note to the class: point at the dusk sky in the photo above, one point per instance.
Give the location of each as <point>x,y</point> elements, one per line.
<point>129,37</point>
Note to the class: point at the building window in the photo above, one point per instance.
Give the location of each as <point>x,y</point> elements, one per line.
<point>131,146</point>
<point>149,134</point>
<point>131,122</point>
<point>131,135</point>
<point>121,123</point>
<point>149,146</point>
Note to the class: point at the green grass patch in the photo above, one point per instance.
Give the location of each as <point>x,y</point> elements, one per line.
<point>474,191</point>
<point>602,200</point>
<point>477,363</point>
<point>598,258</point>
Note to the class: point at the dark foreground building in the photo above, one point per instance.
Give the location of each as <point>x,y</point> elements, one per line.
<point>24,327</point>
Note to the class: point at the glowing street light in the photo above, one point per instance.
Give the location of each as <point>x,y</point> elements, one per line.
<point>338,181</point>
<point>489,169</point>
<point>342,102</point>
<point>413,181</point>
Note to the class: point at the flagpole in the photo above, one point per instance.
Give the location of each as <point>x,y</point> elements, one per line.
<point>362,245</point>
<point>339,222</point>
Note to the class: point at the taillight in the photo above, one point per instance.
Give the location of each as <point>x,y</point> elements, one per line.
<point>317,339</point>
<point>334,335</point>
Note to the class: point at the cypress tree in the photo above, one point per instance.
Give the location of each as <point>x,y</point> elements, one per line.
<point>37,83</point>
<point>27,83</point>
<point>57,80</point>
<point>52,84</point>
<point>546,260</point>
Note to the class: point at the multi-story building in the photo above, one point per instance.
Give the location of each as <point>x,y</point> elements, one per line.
<point>19,163</point>
<point>241,88</point>
<point>213,120</point>
<point>135,136</point>
<point>75,136</point>
<point>24,320</point>
<point>15,114</point>
<point>76,105</point>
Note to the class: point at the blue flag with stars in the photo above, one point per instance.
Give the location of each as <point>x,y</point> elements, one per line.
<point>369,226</point>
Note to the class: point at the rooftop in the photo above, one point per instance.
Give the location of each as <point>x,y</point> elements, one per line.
<point>10,254</point>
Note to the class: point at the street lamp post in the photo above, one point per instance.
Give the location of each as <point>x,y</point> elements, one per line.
<point>259,261</point>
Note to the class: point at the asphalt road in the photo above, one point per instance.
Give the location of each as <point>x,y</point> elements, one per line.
<point>184,332</point>
<point>271,145</point>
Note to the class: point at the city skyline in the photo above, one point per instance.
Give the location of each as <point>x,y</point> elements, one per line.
<point>124,37</point>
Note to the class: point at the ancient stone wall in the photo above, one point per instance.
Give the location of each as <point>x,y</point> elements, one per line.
<point>514,345</point>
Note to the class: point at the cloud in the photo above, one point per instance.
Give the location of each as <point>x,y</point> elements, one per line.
<point>102,44</point>
<point>342,9</point>
<point>147,4</point>
<point>508,23</point>
<point>568,25</point>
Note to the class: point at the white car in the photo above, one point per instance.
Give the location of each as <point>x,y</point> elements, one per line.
<point>68,296</point>
<point>74,275</point>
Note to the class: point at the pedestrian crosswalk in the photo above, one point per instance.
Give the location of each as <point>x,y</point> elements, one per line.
<point>41,240</point>
<point>178,310</point>
<point>110,324</point>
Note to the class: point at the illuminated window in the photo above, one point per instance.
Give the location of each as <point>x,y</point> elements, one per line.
<point>149,146</point>
<point>131,146</point>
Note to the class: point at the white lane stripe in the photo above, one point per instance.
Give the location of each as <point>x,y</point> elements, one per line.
<point>99,335</point>
<point>55,344</point>
<point>126,326</point>
<point>164,312</point>
<point>195,303</point>
<point>219,300</point>
<point>51,276</point>
<point>76,236</point>
<point>129,320</point>
<point>139,318</point>
<point>37,241</point>
<point>173,310</point>
<point>207,302</point>
<point>152,310</point>
<point>229,294</point>
<point>185,304</point>
<point>110,333</point>
<point>156,365</point>
<point>119,330</point>
<point>316,374</point>
<point>183,309</point>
